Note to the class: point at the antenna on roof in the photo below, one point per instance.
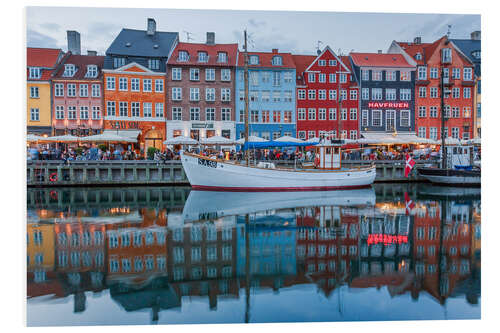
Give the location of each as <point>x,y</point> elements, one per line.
<point>188,35</point>
<point>340,52</point>
<point>317,47</point>
<point>448,33</point>
<point>250,40</point>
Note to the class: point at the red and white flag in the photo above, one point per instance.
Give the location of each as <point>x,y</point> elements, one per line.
<point>409,204</point>
<point>410,163</point>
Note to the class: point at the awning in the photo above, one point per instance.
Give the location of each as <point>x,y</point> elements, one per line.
<point>391,138</point>
<point>130,134</point>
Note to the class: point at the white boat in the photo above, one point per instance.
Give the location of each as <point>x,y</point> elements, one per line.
<point>205,173</point>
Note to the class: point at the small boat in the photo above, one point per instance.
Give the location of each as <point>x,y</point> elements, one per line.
<point>327,173</point>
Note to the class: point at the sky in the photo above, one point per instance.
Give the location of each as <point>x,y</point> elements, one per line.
<point>289,31</point>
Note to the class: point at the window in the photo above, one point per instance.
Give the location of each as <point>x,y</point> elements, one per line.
<point>254,78</point>
<point>332,114</point>
<point>122,85</point>
<point>405,76</point>
<point>254,116</point>
<point>71,90</point>
<point>123,109</point>
<point>277,61</point>
<point>35,73</point>
<point>376,75</point>
<point>455,112</point>
<point>96,112</point>
<point>276,116</point>
<point>446,55</point>
<point>176,74</point>
<point>210,114</point>
<point>377,118</point>
<point>34,92</point>
<point>353,134</point>
<point>377,94</point>
<point>34,114</point>
<point>84,90</point>
<point>332,78</point>
<point>364,118</point>
<point>365,93</point>
<point>433,133</point>
<point>467,74</point>
<point>405,94</point>
<point>194,114</point>
<point>321,94</point>
<point>343,94</point>
<point>301,94</point>
<point>422,112</point>
<point>434,73</point>
<point>455,73</point>
<point>353,95</point>
<point>332,62</point>
<point>210,74</point>
<point>311,94</point>
<point>422,73</point>
<point>311,134</point>
<point>210,94</point>
<point>322,114</point>
<point>390,94</point>
<point>59,90</point>
<point>342,78</point>
<point>332,95</point>
<point>176,94</point>
<point>422,92</point>
<point>72,112</point>
<point>159,110</point>
<point>118,62</point>
<point>288,96</point>
<point>59,112</point>
<point>226,114</point>
<point>96,90</point>
<point>222,57</point>
<point>321,62</point>
<point>433,111</point>
<point>183,56</point>
<point>276,79</point>
<point>365,75</point>
<point>266,96</point>
<point>69,70</point>
<point>176,113</point>
<point>353,114</point>
<point>265,119</point>
<point>84,112</point>
<point>311,77</point>
<point>433,92</point>
<point>404,118</point>
<point>466,92</point>
<point>110,83</point>
<point>225,74</point>
<point>266,77</point>
<point>467,112</point>
<point>302,135</point>
<point>455,92</point>
<point>202,57</point>
<point>159,85</point>
<point>254,60</point>
<point>301,114</point>
<point>287,77</point>
<point>390,75</point>
<point>455,132</point>
<point>154,63</point>
<point>110,109</point>
<point>311,114</point>
<point>343,114</point>
<point>194,94</point>
<point>421,132</point>
<point>226,94</point>
<point>322,78</point>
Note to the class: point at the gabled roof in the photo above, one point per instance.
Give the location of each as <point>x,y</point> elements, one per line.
<point>468,46</point>
<point>327,48</point>
<point>81,62</point>
<point>211,50</point>
<point>301,63</point>
<point>42,57</point>
<point>265,60</point>
<point>380,60</point>
<point>140,44</point>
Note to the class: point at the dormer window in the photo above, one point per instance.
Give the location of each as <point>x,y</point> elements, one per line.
<point>277,61</point>
<point>202,57</point>
<point>154,63</point>
<point>476,54</point>
<point>35,73</point>
<point>91,71</point>
<point>69,70</point>
<point>183,56</point>
<point>418,56</point>
<point>446,56</point>
<point>222,57</point>
<point>118,62</point>
<point>254,60</point>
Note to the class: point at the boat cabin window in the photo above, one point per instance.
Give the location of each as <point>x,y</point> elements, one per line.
<point>336,150</point>
<point>328,150</point>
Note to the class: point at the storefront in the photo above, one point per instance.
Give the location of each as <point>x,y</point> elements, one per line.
<point>200,130</point>
<point>147,133</point>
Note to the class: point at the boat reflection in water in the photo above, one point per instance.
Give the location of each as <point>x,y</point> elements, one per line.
<point>255,257</point>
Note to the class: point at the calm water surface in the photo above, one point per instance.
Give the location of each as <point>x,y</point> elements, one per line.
<point>166,255</point>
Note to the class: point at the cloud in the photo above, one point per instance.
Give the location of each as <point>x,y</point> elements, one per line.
<point>257,24</point>
<point>36,39</point>
<point>51,26</point>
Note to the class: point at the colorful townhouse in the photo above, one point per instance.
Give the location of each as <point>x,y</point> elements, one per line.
<point>134,84</point>
<point>200,95</point>
<point>472,49</point>
<point>77,94</point>
<point>41,63</point>
<point>271,78</point>
<point>387,104</point>
<point>327,96</point>
<point>433,60</point>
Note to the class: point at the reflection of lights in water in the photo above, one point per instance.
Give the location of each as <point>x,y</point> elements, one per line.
<point>286,223</point>
<point>43,213</point>
<point>119,210</point>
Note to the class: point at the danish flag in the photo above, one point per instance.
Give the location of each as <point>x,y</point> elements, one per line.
<point>410,163</point>
<point>409,204</point>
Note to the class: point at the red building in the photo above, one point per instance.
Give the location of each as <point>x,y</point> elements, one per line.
<point>458,70</point>
<point>327,96</point>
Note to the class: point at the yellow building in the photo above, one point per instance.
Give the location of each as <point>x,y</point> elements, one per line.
<point>41,63</point>
<point>40,248</point>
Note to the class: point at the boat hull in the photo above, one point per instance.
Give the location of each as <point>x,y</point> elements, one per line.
<point>450,176</point>
<point>215,175</point>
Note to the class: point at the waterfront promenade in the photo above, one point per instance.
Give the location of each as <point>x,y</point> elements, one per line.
<point>97,173</point>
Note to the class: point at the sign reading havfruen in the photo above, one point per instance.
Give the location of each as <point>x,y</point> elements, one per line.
<point>384,105</point>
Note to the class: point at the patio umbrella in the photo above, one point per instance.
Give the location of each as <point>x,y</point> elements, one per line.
<point>475,141</point>
<point>106,137</point>
<point>62,138</point>
<point>217,140</point>
<point>181,140</point>
<point>287,138</point>
<point>251,138</point>
<point>313,140</point>
<point>33,138</point>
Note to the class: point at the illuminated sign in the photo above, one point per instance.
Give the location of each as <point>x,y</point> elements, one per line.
<point>396,105</point>
<point>386,239</point>
<point>124,124</point>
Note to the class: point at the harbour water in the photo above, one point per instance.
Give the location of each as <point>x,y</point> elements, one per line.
<point>169,255</point>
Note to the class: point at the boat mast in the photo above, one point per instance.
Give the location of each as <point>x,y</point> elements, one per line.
<point>443,156</point>
<point>246,100</point>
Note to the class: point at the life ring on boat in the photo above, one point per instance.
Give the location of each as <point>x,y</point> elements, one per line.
<point>53,194</point>
<point>53,177</point>
<point>316,161</point>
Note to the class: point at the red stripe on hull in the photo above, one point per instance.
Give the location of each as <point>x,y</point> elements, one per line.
<point>275,189</point>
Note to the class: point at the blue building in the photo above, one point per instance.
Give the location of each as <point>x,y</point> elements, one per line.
<point>271,95</point>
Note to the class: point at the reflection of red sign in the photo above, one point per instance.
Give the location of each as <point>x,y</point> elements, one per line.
<point>386,239</point>
<point>397,105</point>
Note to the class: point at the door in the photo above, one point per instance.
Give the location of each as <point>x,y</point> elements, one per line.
<point>390,120</point>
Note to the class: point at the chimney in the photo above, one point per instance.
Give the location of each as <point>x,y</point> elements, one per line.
<point>475,35</point>
<point>417,40</point>
<point>379,51</point>
<point>275,50</point>
<point>151,27</point>
<point>91,53</point>
<point>210,38</point>
<point>73,41</point>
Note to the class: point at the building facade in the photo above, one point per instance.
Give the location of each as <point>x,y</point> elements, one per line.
<point>271,85</point>
<point>434,60</point>
<point>77,93</point>
<point>134,84</point>
<point>41,63</point>
<point>387,101</point>
<point>327,97</point>
<point>200,97</point>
